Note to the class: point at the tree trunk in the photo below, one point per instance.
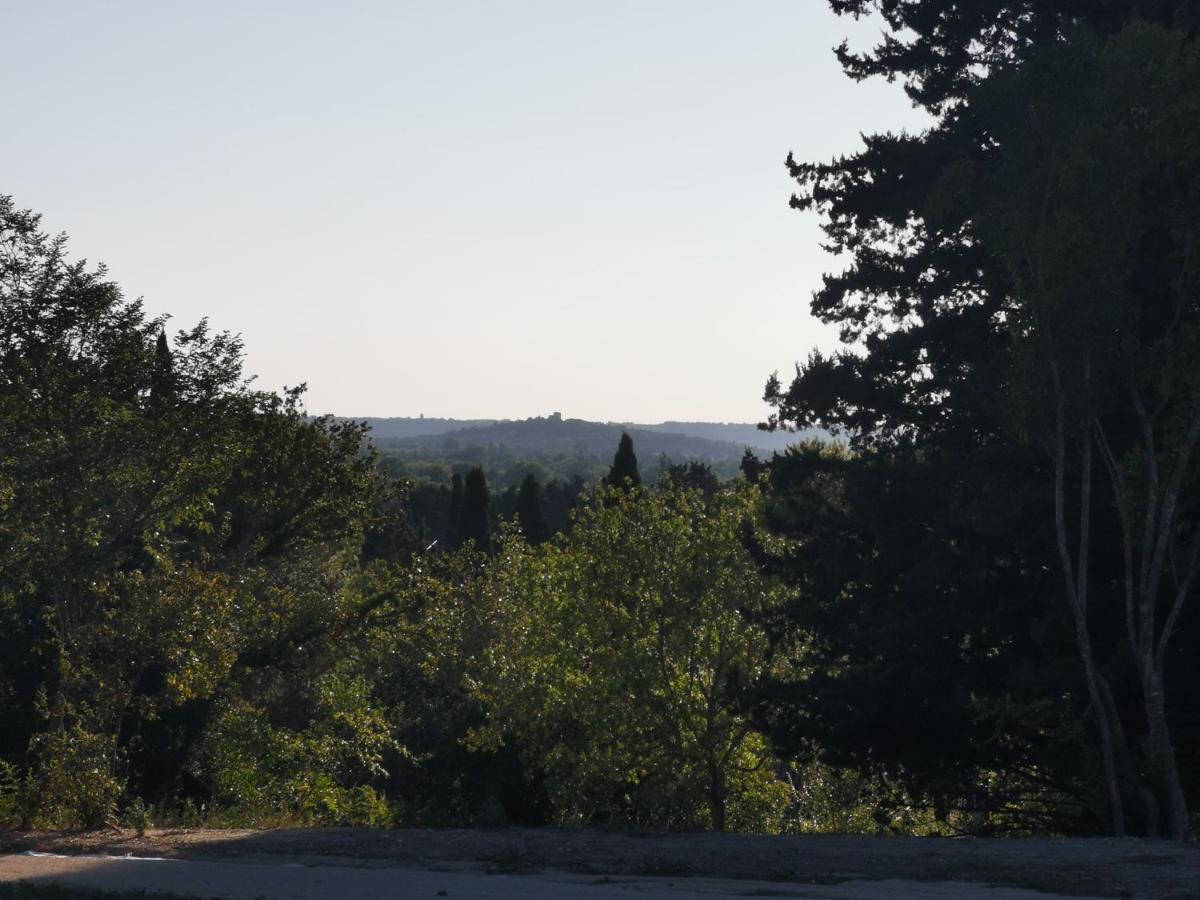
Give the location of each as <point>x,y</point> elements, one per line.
<point>1162,767</point>
<point>1105,729</point>
<point>716,796</point>
<point>1076,583</point>
<point>1170,807</point>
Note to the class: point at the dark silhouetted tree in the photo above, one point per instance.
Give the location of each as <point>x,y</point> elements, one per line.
<point>162,383</point>
<point>931,306</point>
<point>453,534</point>
<point>624,471</point>
<point>473,521</point>
<point>559,498</point>
<point>1087,211</point>
<point>529,511</point>
<point>752,467</point>
<point>693,475</point>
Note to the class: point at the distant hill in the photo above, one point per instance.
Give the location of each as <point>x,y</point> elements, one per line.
<point>399,428</point>
<point>573,437</point>
<point>714,441</point>
<point>741,433</point>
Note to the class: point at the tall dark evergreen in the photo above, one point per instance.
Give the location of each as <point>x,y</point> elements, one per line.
<point>624,472</point>
<point>162,383</point>
<point>454,520</point>
<point>530,513</point>
<point>927,392</point>
<point>474,522</point>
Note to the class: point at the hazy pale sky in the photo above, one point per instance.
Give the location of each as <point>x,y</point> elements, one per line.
<point>498,208</point>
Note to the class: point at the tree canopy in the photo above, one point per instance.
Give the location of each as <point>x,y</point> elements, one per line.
<point>1013,309</point>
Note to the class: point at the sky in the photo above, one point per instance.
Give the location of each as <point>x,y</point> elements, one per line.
<point>490,209</point>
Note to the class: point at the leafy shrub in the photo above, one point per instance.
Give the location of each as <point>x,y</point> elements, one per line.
<point>137,816</point>
<point>269,773</point>
<point>74,786</point>
<point>10,790</point>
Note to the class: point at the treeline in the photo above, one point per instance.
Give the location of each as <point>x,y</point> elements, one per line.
<point>216,608</point>
<point>532,490</point>
<point>566,439</point>
<point>974,614</point>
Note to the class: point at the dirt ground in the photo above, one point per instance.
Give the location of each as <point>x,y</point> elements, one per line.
<point>135,877</point>
<point>1076,867</point>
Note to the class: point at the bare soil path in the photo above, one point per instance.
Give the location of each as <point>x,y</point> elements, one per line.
<point>533,863</point>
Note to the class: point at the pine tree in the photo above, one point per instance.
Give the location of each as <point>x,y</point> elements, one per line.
<point>624,471</point>
<point>473,521</point>
<point>529,511</point>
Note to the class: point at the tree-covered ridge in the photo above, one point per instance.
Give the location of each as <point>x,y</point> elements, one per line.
<point>399,427</point>
<point>554,434</point>
<point>550,436</point>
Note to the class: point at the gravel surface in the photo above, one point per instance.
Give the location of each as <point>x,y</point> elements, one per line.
<point>211,879</point>
<point>1094,867</point>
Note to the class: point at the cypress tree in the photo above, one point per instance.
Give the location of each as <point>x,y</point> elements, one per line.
<point>473,521</point>
<point>529,511</point>
<point>162,378</point>
<point>456,496</point>
<point>624,471</point>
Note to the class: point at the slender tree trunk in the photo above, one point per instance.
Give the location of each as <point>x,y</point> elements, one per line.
<point>1163,767</point>
<point>1077,597</point>
<point>716,796</point>
<point>1150,646</point>
<point>1142,586</point>
<point>1104,726</point>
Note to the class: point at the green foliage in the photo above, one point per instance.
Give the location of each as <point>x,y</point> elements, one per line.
<point>210,589</point>
<point>272,771</point>
<point>137,816</point>
<point>621,655</point>
<point>10,793</point>
<point>173,541</point>
<point>76,783</point>
<point>426,640</point>
<point>828,800</point>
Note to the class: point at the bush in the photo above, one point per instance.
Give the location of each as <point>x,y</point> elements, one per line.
<point>74,786</point>
<point>10,795</point>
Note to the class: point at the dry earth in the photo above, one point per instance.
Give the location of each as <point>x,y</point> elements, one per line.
<point>1074,867</point>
